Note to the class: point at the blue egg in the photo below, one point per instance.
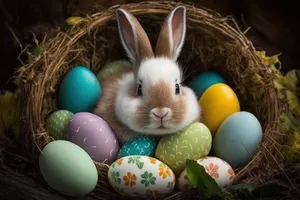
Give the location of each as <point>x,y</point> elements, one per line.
<point>204,80</point>
<point>237,139</point>
<point>79,91</point>
<point>140,145</point>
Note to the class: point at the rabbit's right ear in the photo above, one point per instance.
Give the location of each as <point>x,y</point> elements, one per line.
<point>134,39</point>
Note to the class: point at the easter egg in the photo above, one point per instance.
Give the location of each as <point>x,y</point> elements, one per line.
<point>237,139</point>
<point>79,91</point>
<point>94,135</point>
<point>204,81</point>
<point>140,145</point>
<point>218,102</point>
<point>192,142</point>
<point>217,168</point>
<point>57,123</point>
<point>141,176</point>
<point>68,169</point>
<point>113,67</point>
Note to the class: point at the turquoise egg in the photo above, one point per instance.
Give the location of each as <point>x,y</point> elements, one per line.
<point>79,91</point>
<point>140,145</point>
<point>204,81</point>
<point>237,139</point>
<point>68,169</point>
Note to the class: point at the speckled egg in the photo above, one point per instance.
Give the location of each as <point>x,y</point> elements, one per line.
<point>94,135</point>
<point>193,142</point>
<point>79,91</point>
<point>113,67</point>
<point>140,145</point>
<point>238,138</point>
<point>218,102</point>
<point>57,123</point>
<point>141,176</point>
<point>68,169</point>
<point>217,168</point>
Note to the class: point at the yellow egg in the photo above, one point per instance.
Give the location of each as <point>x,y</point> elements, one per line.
<point>218,102</point>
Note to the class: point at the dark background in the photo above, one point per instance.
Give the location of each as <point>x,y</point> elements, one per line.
<point>274,25</point>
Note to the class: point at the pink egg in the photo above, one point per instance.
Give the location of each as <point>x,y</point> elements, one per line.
<point>94,135</point>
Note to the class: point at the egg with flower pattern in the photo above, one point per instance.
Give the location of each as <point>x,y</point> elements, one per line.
<point>217,168</point>
<point>141,176</point>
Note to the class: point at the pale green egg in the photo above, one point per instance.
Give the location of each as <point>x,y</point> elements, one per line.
<point>57,123</point>
<point>68,169</point>
<point>193,142</point>
<point>113,67</point>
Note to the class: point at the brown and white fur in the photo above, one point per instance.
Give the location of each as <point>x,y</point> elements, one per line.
<point>149,99</point>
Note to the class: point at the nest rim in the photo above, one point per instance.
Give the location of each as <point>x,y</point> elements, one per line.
<point>37,137</point>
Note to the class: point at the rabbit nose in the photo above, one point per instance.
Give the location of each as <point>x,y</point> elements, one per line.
<point>160,112</point>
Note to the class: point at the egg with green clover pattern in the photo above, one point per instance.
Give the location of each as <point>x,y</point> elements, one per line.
<point>192,142</point>
<point>57,123</point>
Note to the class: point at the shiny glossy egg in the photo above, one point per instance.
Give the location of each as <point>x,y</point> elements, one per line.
<point>204,80</point>
<point>218,102</point>
<point>140,145</point>
<point>79,91</point>
<point>238,138</point>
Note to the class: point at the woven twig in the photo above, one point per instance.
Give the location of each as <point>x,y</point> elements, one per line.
<point>212,42</point>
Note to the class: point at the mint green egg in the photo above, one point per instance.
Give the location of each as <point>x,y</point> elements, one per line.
<point>113,67</point>
<point>68,169</point>
<point>57,123</point>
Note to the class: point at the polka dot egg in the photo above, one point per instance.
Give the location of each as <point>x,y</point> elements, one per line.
<point>141,176</point>
<point>57,123</point>
<point>113,67</point>
<point>140,145</point>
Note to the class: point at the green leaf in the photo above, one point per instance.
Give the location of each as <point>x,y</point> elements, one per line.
<point>199,179</point>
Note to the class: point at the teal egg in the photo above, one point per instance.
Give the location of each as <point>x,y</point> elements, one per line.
<point>237,139</point>
<point>68,169</point>
<point>204,80</point>
<point>79,91</point>
<point>140,145</point>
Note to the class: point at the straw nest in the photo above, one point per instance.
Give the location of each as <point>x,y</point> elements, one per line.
<point>212,42</point>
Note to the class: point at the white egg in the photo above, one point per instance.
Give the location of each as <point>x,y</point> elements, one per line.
<point>217,168</point>
<point>141,176</point>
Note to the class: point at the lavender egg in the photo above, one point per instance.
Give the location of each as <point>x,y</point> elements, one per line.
<point>94,135</point>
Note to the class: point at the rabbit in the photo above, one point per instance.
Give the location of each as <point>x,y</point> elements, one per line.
<point>149,99</point>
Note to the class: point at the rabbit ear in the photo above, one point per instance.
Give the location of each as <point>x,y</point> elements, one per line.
<point>172,34</point>
<point>134,39</point>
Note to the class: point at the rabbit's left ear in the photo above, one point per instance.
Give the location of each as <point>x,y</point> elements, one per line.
<point>172,34</point>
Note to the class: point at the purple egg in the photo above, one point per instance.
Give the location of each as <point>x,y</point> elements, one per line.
<point>94,135</point>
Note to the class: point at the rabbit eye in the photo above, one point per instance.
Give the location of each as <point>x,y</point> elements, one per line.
<point>177,88</point>
<point>139,90</point>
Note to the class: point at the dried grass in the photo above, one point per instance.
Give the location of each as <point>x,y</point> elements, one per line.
<point>212,42</point>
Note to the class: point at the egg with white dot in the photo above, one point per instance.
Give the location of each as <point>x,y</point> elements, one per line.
<point>217,168</point>
<point>57,122</point>
<point>94,135</point>
<point>140,145</point>
<point>192,142</point>
<point>113,67</point>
